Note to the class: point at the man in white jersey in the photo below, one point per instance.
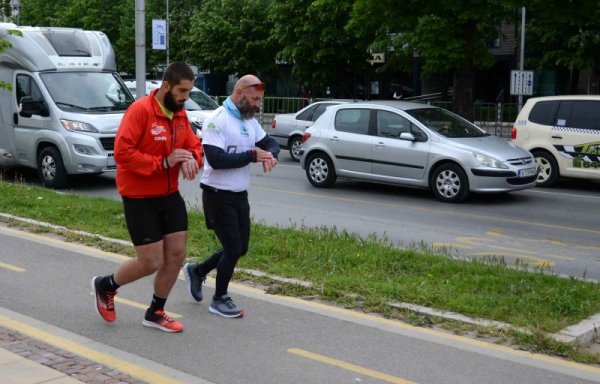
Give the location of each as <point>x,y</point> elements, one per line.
<point>231,139</point>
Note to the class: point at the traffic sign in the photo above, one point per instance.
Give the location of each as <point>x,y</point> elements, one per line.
<point>521,82</point>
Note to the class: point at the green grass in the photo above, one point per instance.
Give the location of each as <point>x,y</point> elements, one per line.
<point>344,268</point>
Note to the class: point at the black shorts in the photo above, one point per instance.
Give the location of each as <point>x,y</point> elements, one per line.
<point>150,219</point>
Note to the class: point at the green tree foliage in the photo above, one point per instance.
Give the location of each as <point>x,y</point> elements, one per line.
<point>42,12</point>
<point>563,34</point>
<point>232,36</point>
<point>314,40</point>
<point>447,36</point>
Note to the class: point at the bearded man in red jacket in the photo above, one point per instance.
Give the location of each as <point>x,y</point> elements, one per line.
<point>154,144</point>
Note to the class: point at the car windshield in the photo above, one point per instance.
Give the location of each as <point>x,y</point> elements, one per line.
<point>446,123</point>
<point>87,91</point>
<point>203,100</point>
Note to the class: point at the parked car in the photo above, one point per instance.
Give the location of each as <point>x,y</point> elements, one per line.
<point>412,144</point>
<point>287,129</point>
<point>563,134</point>
<point>196,112</point>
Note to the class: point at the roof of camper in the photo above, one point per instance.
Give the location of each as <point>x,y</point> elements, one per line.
<point>56,49</point>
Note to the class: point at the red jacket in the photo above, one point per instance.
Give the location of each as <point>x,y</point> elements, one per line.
<point>145,137</point>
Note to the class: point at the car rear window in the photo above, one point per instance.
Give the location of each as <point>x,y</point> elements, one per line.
<point>543,112</point>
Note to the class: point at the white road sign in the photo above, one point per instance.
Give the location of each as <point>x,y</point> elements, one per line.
<point>521,82</point>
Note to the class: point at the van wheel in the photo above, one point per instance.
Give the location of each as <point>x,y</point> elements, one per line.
<point>51,169</point>
<point>449,183</point>
<point>548,168</point>
<point>294,145</point>
<point>320,171</point>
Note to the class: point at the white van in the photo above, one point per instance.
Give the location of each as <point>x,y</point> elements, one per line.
<point>65,103</point>
<point>563,134</point>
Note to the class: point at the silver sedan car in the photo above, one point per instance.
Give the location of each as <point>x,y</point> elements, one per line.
<point>287,129</point>
<point>412,144</point>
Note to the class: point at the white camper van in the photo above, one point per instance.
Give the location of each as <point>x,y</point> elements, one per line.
<point>65,103</point>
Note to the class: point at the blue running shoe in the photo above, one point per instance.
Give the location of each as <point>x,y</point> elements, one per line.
<point>224,306</point>
<point>194,281</point>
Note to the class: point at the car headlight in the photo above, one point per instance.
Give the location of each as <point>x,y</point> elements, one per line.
<point>78,126</point>
<point>489,162</point>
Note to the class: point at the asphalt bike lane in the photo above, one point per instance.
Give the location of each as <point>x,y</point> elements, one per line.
<point>280,340</point>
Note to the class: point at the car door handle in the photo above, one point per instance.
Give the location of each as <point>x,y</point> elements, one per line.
<point>380,144</point>
<point>556,137</point>
<point>335,138</point>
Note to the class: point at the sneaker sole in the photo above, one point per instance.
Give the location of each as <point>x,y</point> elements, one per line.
<point>151,324</point>
<point>188,280</point>
<point>232,316</point>
<point>96,302</point>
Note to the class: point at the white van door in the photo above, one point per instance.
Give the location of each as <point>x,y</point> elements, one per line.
<point>576,137</point>
<point>27,130</point>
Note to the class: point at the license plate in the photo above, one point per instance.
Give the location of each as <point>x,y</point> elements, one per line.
<point>527,172</point>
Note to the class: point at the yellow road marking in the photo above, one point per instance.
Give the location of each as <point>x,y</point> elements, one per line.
<point>11,267</point>
<point>495,233</point>
<point>102,358</point>
<point>350,367</point>
<point>518,250</point>
<point>135,304</point>
<point>450,245</point>
<point>538,262</point>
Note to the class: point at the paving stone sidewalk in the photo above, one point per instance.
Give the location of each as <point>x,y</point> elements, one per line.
<point>74,366</point>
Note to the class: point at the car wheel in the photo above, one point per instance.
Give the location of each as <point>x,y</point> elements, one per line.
<point>294,145</point>
<point>51,169</point>
<point>548,169</point>
<point>319,170</point>
<point>449,183</point>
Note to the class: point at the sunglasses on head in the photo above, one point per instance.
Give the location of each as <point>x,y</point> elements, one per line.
<point>259,86</point>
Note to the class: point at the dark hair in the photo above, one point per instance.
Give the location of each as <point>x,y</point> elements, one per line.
<point>178,71</point>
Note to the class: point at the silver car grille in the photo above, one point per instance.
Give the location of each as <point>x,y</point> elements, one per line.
<point>520,161</point>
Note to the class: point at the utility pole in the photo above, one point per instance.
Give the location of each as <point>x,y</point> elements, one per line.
<point>140,48</point>
<point>167,35</point>
<point>522,55</point>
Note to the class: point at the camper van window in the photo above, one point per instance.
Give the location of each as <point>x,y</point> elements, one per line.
<point>92,92</point>
<point>26,86</point>
<point>69,43</point>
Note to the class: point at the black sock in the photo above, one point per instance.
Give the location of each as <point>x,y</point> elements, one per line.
<point>108,283</point>
<point>157,303</point>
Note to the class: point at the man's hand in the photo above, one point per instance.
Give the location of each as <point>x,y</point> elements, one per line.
<point>188,164</point>
<point>189,169</point>
<point>179,156</point>
<point>267,159</point>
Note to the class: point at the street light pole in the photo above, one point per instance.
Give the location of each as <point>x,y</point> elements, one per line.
<point>140,48</point>
<point>522,55</point>
<point>167,34</point>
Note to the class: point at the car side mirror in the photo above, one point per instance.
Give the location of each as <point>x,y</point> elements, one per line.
<point>407,136</point>
<point>29,107</point>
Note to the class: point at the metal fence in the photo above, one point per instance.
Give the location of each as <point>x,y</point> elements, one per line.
<point>495,118</point>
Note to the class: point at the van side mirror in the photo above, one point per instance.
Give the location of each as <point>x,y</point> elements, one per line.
<point>28,107</point>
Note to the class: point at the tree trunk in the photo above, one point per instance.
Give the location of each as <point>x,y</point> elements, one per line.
<point>463,76</point>
<point>462,104</point>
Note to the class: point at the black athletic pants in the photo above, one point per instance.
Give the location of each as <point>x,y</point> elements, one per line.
<point>228,214</point>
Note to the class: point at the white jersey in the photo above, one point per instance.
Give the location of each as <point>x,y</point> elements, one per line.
<point>233,135</point>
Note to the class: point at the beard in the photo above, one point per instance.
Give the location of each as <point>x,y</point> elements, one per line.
<point>171,104</point>
<point>246,110</point>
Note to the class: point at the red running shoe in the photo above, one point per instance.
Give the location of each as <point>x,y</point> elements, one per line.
<point>162,321</point>
<point>105,304</point>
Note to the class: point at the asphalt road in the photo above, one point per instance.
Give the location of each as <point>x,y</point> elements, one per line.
<point>556,228</point>
<point>280,340</point>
